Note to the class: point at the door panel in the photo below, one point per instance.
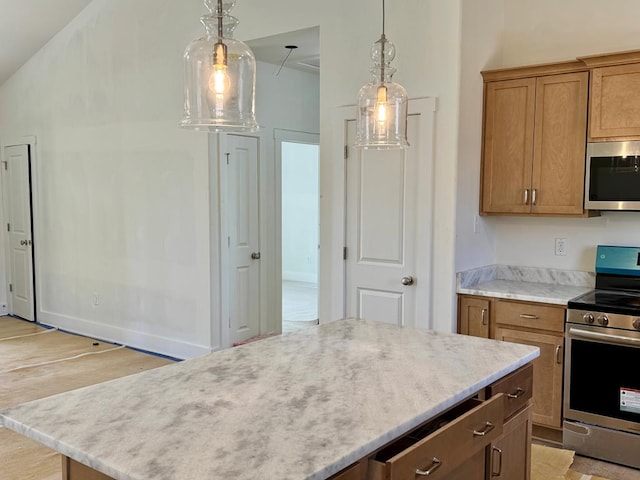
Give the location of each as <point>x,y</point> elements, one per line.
<point>18,197</point>
<point>381,230</point>
<point>244,282</point>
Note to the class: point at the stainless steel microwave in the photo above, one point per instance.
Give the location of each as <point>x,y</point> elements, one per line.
<point>612,178</point>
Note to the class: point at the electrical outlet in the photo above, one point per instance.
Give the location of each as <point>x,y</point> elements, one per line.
<point>561,247</point>
<point>476,223</point>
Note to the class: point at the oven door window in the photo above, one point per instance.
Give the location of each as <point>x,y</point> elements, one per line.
<point>605,379</point>
<point>614,179</point>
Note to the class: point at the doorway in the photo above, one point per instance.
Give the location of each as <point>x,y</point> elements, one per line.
<point>18,209</point>
<point>298,156</point>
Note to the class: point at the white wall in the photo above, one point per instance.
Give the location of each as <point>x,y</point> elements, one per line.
<point>290,101</point>
<point>546,31</point>
<point>123,194</point>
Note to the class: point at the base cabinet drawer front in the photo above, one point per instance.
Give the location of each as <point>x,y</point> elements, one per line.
<point>517,388</point>
<point>528,315</point>
<point>446,449</point>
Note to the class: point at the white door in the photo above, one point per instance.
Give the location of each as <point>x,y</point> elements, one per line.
<point>18,198</point>
<point>388,228</point>
<point>243,236</point>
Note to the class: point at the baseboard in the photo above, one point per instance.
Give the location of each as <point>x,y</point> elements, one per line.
<point>143,341</point>
<point>300,277</point>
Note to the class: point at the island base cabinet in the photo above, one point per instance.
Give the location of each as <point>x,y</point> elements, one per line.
<point>510,455</point>
<point>442,448</point>
<point>72,470</point>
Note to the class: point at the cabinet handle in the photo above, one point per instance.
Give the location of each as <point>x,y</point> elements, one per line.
<point>487,428</point>
<point>499,472</point>
<point>526,196</point>
<point>528,316</point>
<point>558,358</point>
<point>435,465</point>
<point>518,394</point>
<point>534,196</point>
<point>484,316</point>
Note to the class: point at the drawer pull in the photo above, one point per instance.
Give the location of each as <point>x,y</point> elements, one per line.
<point>518,394</point>
<point>435,465</point>
<point>558,356</point>
<point>487,428</point>
<point>499,472</point>
<point>528,316</point>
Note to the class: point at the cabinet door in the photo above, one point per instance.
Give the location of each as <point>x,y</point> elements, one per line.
<point>510,457</point>
<point>508,146</point>
<point>559,150</point>
<point>547,373</point>
<point>615,103</point>
<point>473,315</point>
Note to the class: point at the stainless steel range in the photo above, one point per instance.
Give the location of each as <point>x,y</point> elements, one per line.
<point>602,362</point>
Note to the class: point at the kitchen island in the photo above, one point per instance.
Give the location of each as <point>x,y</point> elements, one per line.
<point>304,405</point>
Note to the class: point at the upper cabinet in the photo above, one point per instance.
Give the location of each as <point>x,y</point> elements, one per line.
<point>535,123</point>
<point>614,112</point>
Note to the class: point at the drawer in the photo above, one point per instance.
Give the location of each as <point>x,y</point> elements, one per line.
<point>443,444</point>
<point>354,472</point>
<point>517,388</point>
<point>529,315</point>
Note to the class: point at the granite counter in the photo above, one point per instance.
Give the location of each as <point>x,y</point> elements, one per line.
<point>298,406</point>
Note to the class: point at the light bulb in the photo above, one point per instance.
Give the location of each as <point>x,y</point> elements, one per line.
<point>381,105</point>
<point>219,81</point>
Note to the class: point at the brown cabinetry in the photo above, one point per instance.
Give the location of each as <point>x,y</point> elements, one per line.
<point>539,325</point>
<point>614,103</point>
<point>473,316</point>
<point>534,140</point>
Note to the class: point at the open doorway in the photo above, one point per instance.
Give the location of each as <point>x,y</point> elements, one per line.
<point>300,232</point>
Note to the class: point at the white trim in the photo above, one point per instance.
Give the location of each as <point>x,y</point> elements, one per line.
<point>281,135</point>
<point>424,260</point>
<point>128,337</point>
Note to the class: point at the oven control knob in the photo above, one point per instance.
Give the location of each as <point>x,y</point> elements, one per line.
<point>588,318</point>
<point>636,323</point>
<point>603,320</point>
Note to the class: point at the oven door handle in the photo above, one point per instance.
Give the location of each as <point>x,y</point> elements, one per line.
<point>577,332</point>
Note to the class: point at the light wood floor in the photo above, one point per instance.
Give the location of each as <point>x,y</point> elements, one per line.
<point>50,362</point>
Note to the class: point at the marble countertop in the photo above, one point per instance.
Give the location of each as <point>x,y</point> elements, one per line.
<point>525,283</point>
<point>303,405</point>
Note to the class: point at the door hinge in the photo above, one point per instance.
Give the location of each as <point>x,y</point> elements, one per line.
<point>6,164</point>
<point>8,227</point>
<point>344,253</point>
<point>11,287</point>
<point>227,155</point>
<point>346,152</point>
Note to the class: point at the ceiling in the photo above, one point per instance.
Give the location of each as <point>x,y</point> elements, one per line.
<point>273,49</point>
<point>27,25</point>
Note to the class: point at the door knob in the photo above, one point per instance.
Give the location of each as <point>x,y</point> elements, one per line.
<point>406,281</point>
<point>23,243</point>
<point>255,256</point>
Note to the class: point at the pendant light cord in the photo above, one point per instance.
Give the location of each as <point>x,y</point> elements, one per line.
<point>383,40</point>
<point>220,32</point>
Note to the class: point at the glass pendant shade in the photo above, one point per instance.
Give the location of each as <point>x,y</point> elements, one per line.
<point>381,117</point>
<point>220,75</point>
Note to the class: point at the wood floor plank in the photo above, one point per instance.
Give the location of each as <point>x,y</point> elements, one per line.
<point>20,457</point>
<point>12,327</point>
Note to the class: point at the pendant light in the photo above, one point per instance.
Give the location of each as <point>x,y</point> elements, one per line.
<point>381,117</point>
<point>220,74</point>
